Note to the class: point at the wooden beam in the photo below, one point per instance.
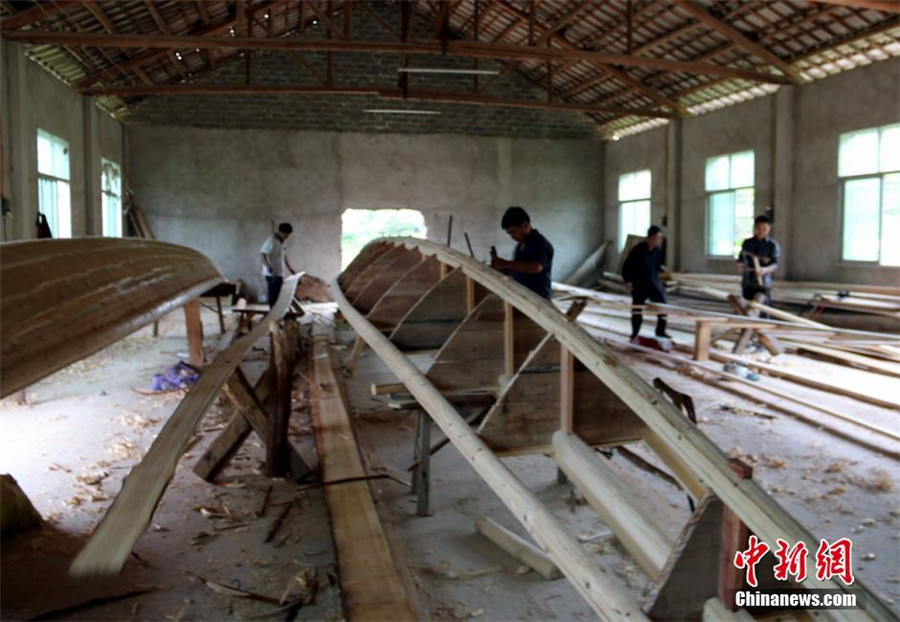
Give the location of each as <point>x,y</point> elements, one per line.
<point>97,291</point>
<point>151,55</point>
<point>465,49</point>
<point>370,584</point>
<point>112,541</point>
<point>567,391</point>
<point>201,10</point>
<point>734,35</point>
<point>582,570</point>
<point>884,6</point>
<point>40,12</point>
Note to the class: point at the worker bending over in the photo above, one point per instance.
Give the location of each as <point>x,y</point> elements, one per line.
<point>757,261</point>
<point>274,261</point>
<point>641,275</point>
<point>533,258</point>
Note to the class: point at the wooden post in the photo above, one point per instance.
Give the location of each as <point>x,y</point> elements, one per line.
<point>509,331</point>
<point>194,332</point>
<point>523,550</point>
<point>567,390</point>
<point>422,474</point>
<point>734,538</point>
<point>359,347</point>
<point>701,341</point>
<point>277,458</point>
<point>470,294</point>
<point>221,317</point>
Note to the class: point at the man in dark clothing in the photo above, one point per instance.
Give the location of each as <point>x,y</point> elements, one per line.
<point>641,275</point>
<point>533,258</point>
<point>757,261</point>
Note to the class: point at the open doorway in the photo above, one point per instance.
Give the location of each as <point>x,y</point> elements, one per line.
<point>361,226</point>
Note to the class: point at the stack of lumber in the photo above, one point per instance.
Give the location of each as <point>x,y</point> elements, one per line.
<point>874,299</point>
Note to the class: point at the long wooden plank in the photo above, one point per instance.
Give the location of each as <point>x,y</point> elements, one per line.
<point>65,299</point>
<point>592,582</point>
<point>709,463</point>
<point>128,517</point>
<point>370,585</point>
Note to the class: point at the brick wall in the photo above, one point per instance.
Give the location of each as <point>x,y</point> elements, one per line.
<point>344,113</point>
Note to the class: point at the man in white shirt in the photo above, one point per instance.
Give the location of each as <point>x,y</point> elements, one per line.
<point>274,261</point>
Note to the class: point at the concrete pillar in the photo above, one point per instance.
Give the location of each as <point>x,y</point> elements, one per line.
<point>673,171</point>
<point>93,219</point>
<point>22,147</point>
<point>784,116</point>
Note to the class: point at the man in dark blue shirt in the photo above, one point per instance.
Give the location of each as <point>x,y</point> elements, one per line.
<point>641,275</point>
<point>757,261</point>
<point>533,258</point>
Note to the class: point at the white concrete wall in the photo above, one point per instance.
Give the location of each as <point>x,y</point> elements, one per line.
<point>219,190</point>
<point>32,99</point>
<point>794,135</point>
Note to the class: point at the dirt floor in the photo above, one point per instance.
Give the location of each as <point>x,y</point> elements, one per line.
<point>86,426</point>
<point>82,431</point>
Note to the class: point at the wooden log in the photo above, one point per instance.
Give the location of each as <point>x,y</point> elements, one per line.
<point>522,550</point>
<point>634,524</point>
<point>754,506</point>
<point>65,299</point>
<point>584,573</point>
<point>128,517</point>
<point>370,585</point>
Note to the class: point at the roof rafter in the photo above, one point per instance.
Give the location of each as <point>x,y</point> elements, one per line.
<point>739,38</point>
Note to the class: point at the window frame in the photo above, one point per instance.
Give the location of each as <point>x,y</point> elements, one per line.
<point>622,239</point>
<point>842,207</point>
<point>729,190</point>
<point>49,177</point>
<point>104,194</point>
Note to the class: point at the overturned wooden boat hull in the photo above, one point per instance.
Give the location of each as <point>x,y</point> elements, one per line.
<point>63,300</point>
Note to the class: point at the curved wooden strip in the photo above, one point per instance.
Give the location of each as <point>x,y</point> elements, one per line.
<point>431,321</point>
<point>361,262</point>
<point>65,299</point>
<point>386,277</point>
<point>759,511</point>
<point>404,293</point>
<point>129,515</point>
<point>376,265</point>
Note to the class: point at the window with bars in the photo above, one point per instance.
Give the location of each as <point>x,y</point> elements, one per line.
<point>634,205</point>
<point>111,197</point>
<point>54,196</point>
<point>869,171</point>
<point>729,203</point>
